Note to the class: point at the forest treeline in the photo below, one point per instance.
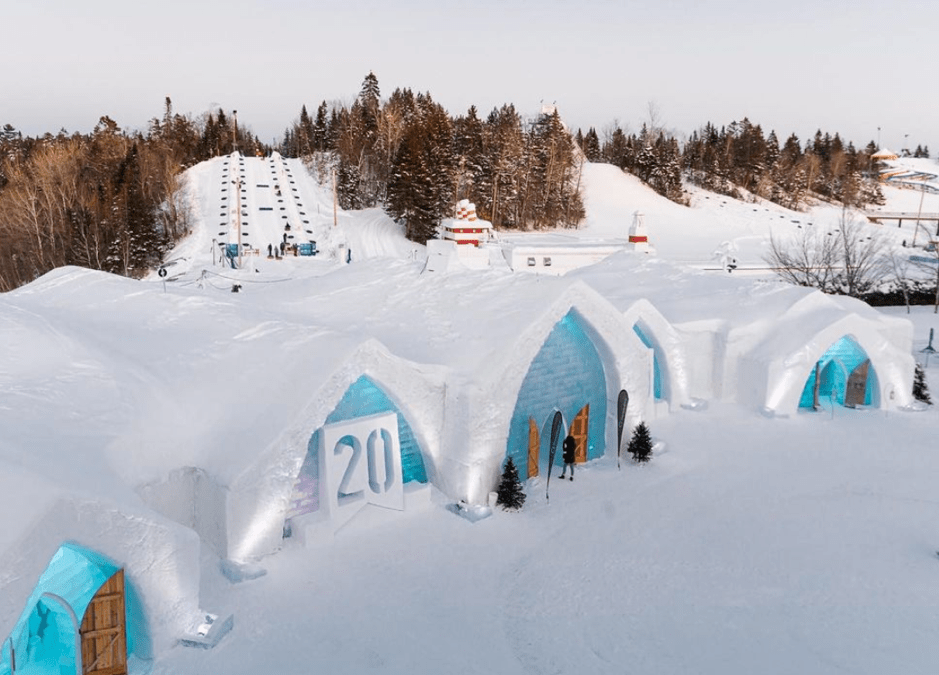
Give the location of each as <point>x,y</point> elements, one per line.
<point>111,199</point>
<point>408,155</point>
<point>740,160</point>
<point>107,200</point>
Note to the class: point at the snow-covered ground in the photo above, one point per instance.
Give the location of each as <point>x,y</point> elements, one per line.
<point>748,544</point>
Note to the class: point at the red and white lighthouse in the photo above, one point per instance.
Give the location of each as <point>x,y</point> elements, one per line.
<point>638,235</point>
<point>466,228</point>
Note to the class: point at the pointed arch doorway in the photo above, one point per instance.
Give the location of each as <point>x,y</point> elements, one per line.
<point>539,441</point>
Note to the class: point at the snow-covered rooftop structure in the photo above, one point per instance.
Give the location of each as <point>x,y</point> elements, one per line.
<point>884,154</point>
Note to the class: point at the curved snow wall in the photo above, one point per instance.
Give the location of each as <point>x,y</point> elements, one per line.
<point>362,398</point>
<point>836,366</point>
<point>45,635</point>
<point>565,375</point>
<point>656,361</point>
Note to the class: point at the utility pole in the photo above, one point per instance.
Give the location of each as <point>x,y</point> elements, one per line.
<point>920,212</point>
<point>878,138</point>
<point>335,200</point>
<point>237,183</point>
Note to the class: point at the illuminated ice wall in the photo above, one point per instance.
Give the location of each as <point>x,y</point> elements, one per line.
<point>44,637</point>
<point>361,399</point>
<point>656,367</point>
<point>837,364</point>
<point>565,375</point>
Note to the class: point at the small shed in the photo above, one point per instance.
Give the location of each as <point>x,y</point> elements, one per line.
<point>884,155</point>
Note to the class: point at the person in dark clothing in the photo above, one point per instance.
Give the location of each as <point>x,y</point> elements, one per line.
<point>568,452</point>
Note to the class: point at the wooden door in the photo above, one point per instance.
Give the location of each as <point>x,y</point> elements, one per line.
<point>579,429</point>
<point>534,445</point>
<point>856,393</point>
<point>103,633</point>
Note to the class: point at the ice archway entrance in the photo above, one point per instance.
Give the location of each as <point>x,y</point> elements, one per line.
<point>657,387</point>
<point>81,618</point>
<point>363,399</point>
<point>566,375</point>
<point>843,375</point>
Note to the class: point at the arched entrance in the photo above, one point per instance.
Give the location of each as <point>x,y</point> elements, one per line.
<point>82,617</point>
<point>363,398</point>
<point>657,380</point>
<point>843,376</point>
<point>566,375</point>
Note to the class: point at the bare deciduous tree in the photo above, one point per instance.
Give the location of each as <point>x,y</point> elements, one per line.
<point>930,269</point>
<point>899,264</point>
<point>808,259</point>
<point>863,256</point>
<point>848,258</point>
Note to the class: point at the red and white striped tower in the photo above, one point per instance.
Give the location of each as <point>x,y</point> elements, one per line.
<point>638,236</point>
<point>466,228</point>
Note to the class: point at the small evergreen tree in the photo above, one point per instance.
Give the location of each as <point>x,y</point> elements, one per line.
<point>920,388</point>
<point>510,493</point>
<point>640,445</point>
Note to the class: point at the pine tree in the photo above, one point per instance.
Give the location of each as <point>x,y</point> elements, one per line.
<point>320,127</point>
<point>614,149</point>
<point>510,493</point>
<point>920,388</point>
<point>469,153</point>
<point>305,133</point>
<point>503,161</point>
<point>591,145</point>
<point>640,445</point>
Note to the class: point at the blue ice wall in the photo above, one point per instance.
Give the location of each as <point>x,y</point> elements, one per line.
<point>565,375</point>
<point>44,636</point>
<point>837,364</point>
<point>361,399</point>
<point>656,368</point>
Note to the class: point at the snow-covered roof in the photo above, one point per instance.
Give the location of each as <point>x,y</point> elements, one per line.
<point>139,381</point>
<point>884,153</point>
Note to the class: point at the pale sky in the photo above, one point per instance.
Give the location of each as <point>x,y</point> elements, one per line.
<point>789,65</point>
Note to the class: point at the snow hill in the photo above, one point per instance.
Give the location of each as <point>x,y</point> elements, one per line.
<point>163,423</point>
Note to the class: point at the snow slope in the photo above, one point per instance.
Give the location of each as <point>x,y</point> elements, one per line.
<point>749,544</point>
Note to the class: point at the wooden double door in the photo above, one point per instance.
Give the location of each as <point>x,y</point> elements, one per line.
<point>579,430</point>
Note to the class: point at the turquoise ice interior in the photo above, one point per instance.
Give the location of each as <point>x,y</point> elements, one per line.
<point>363,397</point>
<point>565,375</point>
<point>44,636</point>
<point>656,364</point>
<point>837,364</point>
